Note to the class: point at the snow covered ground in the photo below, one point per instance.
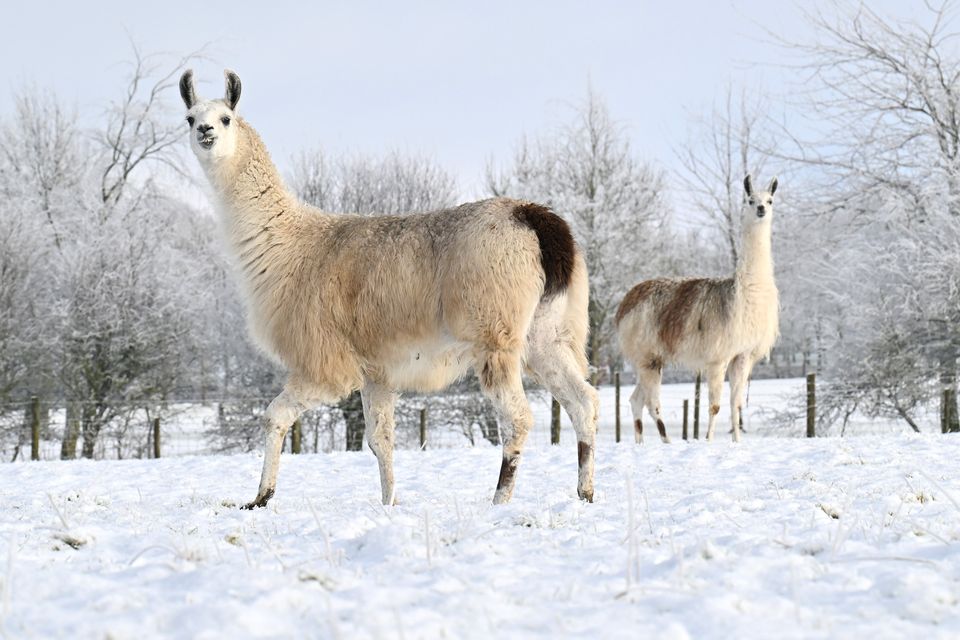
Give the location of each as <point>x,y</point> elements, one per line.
<point>786,538</point>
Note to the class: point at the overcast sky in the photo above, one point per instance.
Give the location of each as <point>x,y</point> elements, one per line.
<point>457,82</point>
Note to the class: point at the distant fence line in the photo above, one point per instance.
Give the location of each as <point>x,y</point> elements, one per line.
<point>231,425</point>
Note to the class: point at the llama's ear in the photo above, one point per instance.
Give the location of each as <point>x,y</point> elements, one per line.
<point>232,96</point>
<point>773,186</point>
<point>186,88</point>
<point>748,185</point>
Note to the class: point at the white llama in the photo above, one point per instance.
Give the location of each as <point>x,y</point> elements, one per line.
<point>705,324</point>
<point>388,304</point>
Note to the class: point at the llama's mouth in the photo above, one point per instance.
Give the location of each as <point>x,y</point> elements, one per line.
<point>206,141</point>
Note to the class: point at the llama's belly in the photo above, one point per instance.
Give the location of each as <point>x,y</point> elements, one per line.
<point>427,365</point>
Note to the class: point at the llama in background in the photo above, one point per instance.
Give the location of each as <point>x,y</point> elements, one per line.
<point>387,304</point>
<point>708,325</point>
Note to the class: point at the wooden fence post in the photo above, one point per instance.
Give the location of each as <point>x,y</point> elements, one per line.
<point>616,382</point>
<point>296,435</point>
<point>696,408</point>
<point>423,428</point>
<point>811,405</point>
<point>686,407</point>
<point>555,422</point>
<point>34,428</point>
<point>156,437</point>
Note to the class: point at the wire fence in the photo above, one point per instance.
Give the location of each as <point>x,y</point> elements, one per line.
<point>774,408</point>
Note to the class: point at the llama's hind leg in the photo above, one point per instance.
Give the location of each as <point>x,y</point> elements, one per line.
<point>739,371</point>
<point>500,381</point>
<point>280,415</point>
<point>714,374</point>
<point>378,404</point>
<point>637,403</point>
<point>555,366</point>
<point>651,376</point>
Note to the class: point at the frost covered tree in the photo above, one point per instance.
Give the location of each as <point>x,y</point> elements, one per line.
<point>884,101</point>
<point>587,172</point>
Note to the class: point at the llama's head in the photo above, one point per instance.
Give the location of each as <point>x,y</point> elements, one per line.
<point>757,205</point>
<point>213,132</point>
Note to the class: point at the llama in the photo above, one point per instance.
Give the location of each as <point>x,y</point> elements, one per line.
<point>390,304</point>
<point>708,325</point>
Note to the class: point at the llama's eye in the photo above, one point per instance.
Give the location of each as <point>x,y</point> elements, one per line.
<point>190,120</point>
<point>225,120</point>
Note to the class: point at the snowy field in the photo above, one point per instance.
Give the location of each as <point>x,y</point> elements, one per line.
<point>785,538</point>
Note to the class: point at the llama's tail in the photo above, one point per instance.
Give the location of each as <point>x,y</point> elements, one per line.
<point>557,248</point>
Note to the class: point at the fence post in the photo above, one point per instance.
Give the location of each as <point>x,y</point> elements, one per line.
<point>296,433</point>
<point>616,383</point>
<point>686,406</point>
<point>156,437</point>
<point>34,428</point>
<point>696,408</point>
<point>555,422</point>
<point>811,405</point>
<point>423,428</point>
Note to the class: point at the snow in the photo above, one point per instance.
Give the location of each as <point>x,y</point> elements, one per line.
<point>775,537</point>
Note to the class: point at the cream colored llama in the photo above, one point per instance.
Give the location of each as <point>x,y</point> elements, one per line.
<point>387,304</point>
<point>707,325</point>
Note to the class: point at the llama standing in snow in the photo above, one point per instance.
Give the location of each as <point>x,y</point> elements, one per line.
<point>389,303</point>
<point>705,324</point>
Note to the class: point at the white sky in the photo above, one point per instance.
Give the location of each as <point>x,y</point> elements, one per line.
<point>456,82</point>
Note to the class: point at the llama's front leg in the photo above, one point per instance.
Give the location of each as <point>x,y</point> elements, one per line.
<point>739,372</point>
<point>378,404</point>
<point>714,391</point>
<point>280,415</point>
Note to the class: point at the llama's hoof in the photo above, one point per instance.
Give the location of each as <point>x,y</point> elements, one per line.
<point>585,494</point>
<point>261,501</point>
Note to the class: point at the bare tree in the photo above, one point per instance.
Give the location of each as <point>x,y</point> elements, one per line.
<point>885,99</point>
<point>727,146</point>
<point>587,172</point>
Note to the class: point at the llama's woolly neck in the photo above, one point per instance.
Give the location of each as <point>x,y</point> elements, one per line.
<point>755,267</point>
<point>249,187</point>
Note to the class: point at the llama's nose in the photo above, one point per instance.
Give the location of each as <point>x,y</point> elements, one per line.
<point>761,210</point>
<point>203,128</point>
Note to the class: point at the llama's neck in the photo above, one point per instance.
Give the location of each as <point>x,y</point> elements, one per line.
<point>755,268</point>
<point>251,194</point>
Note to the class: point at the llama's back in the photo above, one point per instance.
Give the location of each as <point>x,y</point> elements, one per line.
<point>416,297</point>
<point>681,321</point>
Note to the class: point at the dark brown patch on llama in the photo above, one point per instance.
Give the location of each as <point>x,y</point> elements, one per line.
<point>662,429</point>
<point>714,409</point>
<point>635,296</point>
<point>638,427</point>
<point>583,453</point>
<point>675,313</point>
<point>508,469</point>
<point>557,248</point>
<point>655,364</point>
<point>260,502</point>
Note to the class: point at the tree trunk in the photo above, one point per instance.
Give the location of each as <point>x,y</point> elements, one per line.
<point>90,426</point>
<point>949,416</point>
<point>488,423</point>
<point>352,408</point>
<point>71,431</point>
